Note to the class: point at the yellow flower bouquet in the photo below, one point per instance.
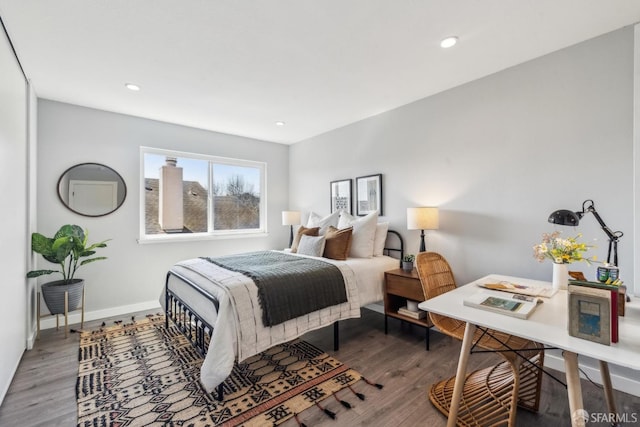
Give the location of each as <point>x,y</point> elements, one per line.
<point>561,251</point>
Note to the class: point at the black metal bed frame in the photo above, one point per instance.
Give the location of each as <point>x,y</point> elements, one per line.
<point>192,326</point>
<point>388,251</point>
<point>199,332</point>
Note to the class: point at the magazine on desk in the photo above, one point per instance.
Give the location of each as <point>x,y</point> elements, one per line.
<point>518,288</point>
<point>520,306</point>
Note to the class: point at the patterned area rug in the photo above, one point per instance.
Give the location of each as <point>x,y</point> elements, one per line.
<point>142,374</point>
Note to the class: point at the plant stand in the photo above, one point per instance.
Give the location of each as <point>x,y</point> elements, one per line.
<point>66,314</point>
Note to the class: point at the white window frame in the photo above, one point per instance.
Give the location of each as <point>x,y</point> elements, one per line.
<point>210,234</point>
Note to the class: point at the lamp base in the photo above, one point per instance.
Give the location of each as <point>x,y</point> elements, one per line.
<point>291,236</point>
<point>423,247</point>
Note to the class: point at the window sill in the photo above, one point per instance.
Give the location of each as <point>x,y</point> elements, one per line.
<point>171,238</point>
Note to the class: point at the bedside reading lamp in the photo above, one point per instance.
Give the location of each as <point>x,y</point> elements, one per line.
<point>291,218</point>
<point>567,217</point>
<point>422,219</point>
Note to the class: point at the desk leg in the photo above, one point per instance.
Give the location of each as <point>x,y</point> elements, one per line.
<point>608,389</point>
<point>574,389</point>
<point>461,373</point>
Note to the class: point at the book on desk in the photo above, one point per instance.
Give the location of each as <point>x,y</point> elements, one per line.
<point>593,311</point>
<point>514,305</point>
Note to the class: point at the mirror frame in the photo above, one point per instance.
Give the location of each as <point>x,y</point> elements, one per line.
<point>60,197</point>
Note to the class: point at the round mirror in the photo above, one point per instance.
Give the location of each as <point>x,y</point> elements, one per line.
<point>91,189</point>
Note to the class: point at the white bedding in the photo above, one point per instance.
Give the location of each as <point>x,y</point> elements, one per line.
<point>369,274</point>
<point>238,329</point>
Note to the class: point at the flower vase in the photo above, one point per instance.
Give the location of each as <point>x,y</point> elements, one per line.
<point>560,276</point>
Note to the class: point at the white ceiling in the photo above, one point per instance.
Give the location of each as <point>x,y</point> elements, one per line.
<point>238,66</point>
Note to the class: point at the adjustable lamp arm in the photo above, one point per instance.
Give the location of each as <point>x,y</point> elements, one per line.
<point>614,236</point>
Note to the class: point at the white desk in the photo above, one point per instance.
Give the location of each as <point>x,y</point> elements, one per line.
<point>547,325</point>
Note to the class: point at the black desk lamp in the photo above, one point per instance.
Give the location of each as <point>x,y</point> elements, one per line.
<point>567,217</point>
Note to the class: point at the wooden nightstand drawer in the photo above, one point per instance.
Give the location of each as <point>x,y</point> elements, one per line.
<point>404,286</point>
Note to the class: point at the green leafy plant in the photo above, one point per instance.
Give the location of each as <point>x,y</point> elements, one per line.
<point>66,248</point>
<point>409,258</point>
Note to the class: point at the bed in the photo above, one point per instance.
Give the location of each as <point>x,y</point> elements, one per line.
<point>218,309</point>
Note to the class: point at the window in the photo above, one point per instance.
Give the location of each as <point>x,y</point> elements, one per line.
<point>191,195</point>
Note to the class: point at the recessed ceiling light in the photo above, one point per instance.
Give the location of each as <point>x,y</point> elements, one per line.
<point>279,123</point>
<point>448,42</point>
<point>132,86</point>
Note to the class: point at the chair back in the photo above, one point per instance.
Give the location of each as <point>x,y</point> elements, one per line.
<point>436,279</point>
<point>435,274</point>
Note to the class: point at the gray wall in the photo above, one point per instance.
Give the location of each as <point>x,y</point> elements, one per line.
<point>14,212</point>
<point>134,273</point>
<point>498,155</point>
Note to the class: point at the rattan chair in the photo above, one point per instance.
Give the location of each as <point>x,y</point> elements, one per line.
<point>491,395</point>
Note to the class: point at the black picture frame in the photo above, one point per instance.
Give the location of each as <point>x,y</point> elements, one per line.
<point>340,195</point>
<point>369,194</point>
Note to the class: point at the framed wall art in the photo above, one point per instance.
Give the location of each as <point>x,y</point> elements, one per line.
<point>369,194</point>
<point>341,195</point>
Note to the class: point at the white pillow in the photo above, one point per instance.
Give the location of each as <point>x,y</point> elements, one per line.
<point>316,220</point>
<point>364,232</point>
<point>311,245</point>
<point>380,238</point>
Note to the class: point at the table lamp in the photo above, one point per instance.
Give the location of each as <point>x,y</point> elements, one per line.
<point>424,218</point>
<point>291,218</point>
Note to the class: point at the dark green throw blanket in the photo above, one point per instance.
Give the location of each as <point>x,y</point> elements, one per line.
<point>288,286</point>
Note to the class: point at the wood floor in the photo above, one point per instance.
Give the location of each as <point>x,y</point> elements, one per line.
<point>43,391</point>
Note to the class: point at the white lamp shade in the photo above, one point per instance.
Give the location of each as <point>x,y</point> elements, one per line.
<point>290,217</point>
<point>422,219</point>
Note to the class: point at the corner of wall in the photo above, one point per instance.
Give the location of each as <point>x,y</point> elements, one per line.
<point>32,209</point>
<point>636,159</point>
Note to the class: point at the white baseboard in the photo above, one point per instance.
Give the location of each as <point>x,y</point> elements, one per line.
<point>621,383</point>
<point>376,306</point>
<point>74,317</point>
<point>5,387</point>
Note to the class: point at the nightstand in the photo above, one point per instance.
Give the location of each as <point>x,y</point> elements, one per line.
<point>399,286</point>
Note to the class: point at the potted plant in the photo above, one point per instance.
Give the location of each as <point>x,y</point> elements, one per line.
<point>66,249</point>
<point>407,262</point>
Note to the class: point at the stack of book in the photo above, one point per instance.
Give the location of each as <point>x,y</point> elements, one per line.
<point>413,314</point>
<point>593,311</point>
